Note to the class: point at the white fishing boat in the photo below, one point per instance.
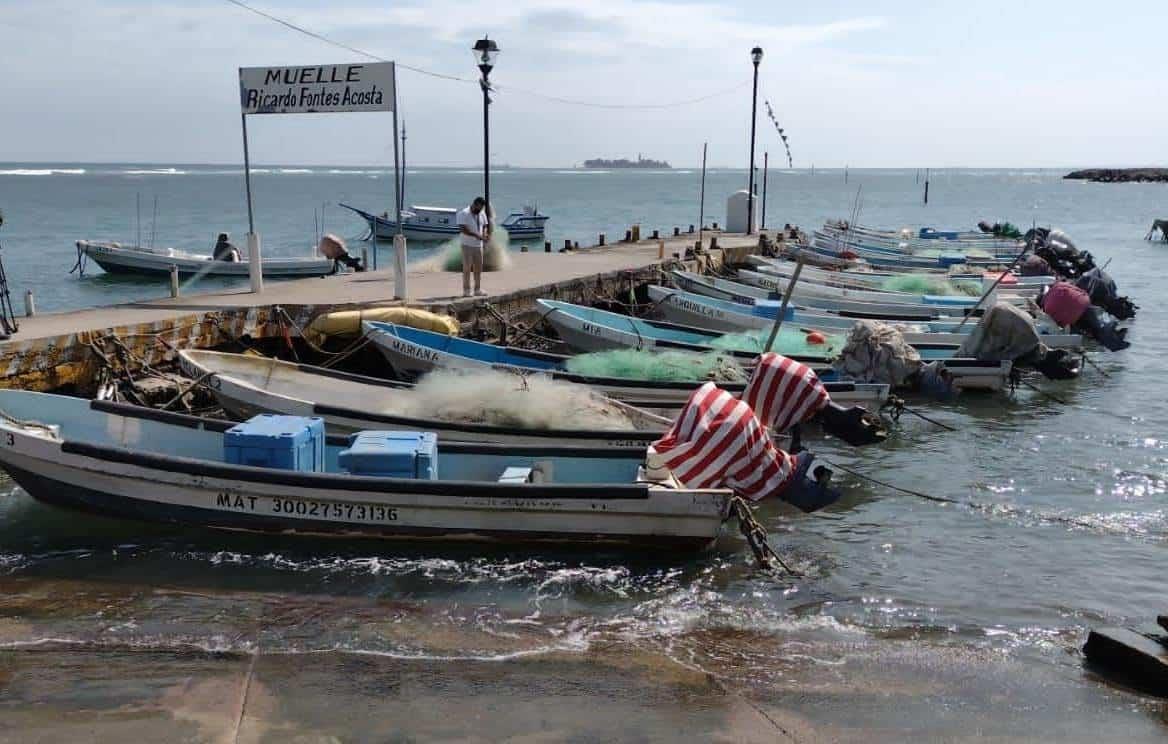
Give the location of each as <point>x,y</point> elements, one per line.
<point>727,289</point>
<point>422,223</point>
<point>687,308</point>
<point>245,385</point>
<point>135,463</point>
<point>125,259</point>
<point>888,281</point>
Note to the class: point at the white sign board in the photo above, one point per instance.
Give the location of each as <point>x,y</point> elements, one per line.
<point>316,90</point>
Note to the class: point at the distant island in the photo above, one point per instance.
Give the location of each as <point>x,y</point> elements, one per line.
<point>1121,175</point>
<point>640,162</point>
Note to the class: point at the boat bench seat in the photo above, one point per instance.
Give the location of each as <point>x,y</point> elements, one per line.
<point>516,474</point>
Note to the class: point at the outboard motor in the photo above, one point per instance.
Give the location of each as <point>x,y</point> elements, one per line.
<point>999,229</point>
<point>1060,252</point>
<point>1099,285</point>
<point>333,247</point>
<point>1071,306</point>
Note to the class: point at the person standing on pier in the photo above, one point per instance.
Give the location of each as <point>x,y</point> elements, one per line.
<point>474,232</point>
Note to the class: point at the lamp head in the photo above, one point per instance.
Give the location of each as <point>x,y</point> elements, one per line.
<point>485,51</point>
<point>756,55</point>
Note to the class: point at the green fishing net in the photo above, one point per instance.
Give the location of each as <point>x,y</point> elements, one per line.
<point>790,342</point>
<point>496,257</point>
<point>924,284</point>
<point>666,366</point>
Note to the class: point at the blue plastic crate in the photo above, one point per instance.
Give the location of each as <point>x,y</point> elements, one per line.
<point>271,441</point>
<point>392,454</point>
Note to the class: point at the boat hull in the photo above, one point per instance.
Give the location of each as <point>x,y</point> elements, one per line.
<point>332,396</point>
<point>126,481</point>
<point>121,260</point>
<point>413,359</point>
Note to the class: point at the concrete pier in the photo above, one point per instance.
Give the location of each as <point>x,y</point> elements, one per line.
<point>54,350</point>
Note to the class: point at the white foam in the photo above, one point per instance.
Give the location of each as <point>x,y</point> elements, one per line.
<point>155,172</point>
<point>43,172</point>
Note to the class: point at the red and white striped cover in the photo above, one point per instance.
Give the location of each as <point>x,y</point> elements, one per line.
<point>719,441</point>
<point>783,392</point>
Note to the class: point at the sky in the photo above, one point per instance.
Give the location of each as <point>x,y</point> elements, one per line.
<point>866,84</point>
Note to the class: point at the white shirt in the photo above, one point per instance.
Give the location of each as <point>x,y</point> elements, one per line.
<point>476,223</point>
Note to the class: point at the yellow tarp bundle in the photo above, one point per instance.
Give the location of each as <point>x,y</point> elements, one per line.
<point>347,323</point>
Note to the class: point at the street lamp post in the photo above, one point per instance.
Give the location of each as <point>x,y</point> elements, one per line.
<point>755,57</point>
<point>485,52</point>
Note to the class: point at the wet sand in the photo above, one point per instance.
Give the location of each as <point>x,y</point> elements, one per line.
<point>76,666</point>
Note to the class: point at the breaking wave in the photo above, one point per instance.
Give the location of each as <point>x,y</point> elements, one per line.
<point>43,172</point>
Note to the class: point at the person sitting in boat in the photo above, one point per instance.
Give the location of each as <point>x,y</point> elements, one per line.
<point>225,250</point>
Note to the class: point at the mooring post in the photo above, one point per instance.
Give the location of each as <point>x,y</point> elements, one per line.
<point>567,244</point>
<point>400,292</point>
<point>29,303</point>
<point>600,239</point>
<point>173,280</point>
<point>547,246</point>
<point>655,234</point>
<point>676,231</point>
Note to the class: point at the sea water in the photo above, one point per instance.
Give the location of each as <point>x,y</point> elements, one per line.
<point>909,617</point>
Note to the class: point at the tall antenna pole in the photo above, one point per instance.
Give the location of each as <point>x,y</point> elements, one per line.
<point>401,194</point>
<point>702,209</point>
<point>765,165</point>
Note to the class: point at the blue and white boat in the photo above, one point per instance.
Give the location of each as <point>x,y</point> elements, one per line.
<point>811,290</point>
<point>437,223</point>
<point>688,308</point>
<point>727,289</point>
<point>589,329</point>
<point>128,462</point>
<point>413,351</point>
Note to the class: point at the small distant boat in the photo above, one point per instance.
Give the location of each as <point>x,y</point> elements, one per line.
<point>128,462</point>
<point>125,259</point>
<point>437,223</point>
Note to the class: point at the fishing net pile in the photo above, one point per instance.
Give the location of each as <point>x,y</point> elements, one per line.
<point>790,341</point>
<point>665,366</point>
<point>506,399</point>
<point>877,352</point>
<point>449,255</point>
<point>931,285</point>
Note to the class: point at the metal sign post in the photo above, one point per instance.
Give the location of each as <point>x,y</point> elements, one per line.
<point>318,89</point>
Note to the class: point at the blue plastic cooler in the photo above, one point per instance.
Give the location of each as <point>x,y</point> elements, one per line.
<point>271,441</point>
<point>392,454</point>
